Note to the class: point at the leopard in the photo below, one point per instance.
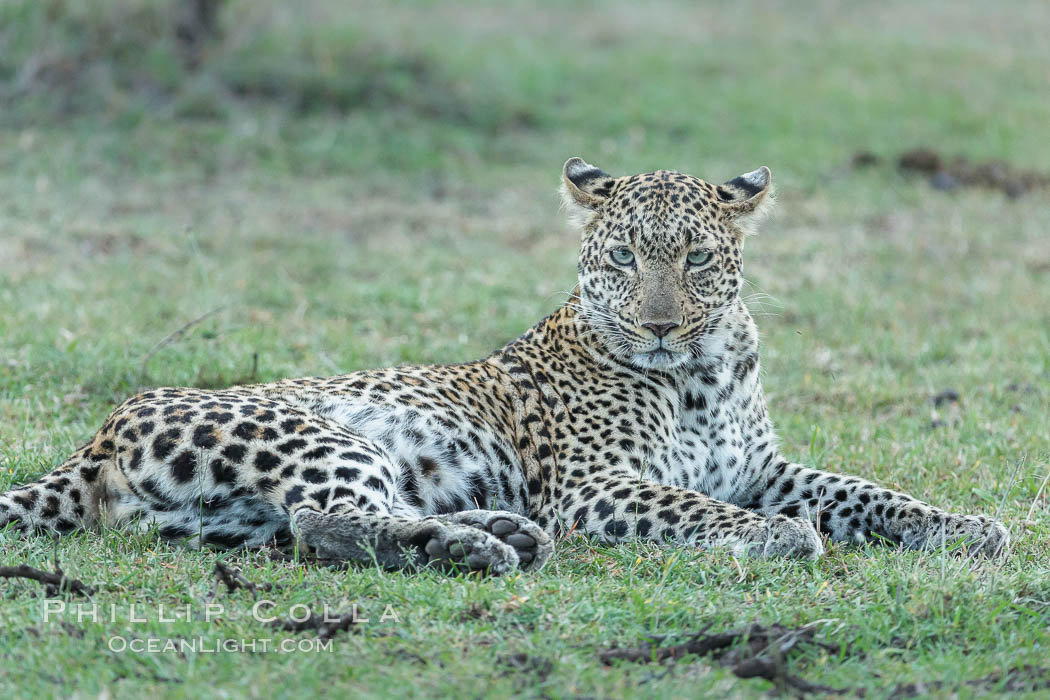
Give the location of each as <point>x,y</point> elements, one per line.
<point>633,412</point>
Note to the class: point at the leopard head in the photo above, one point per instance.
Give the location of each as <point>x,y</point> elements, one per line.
<point>660,258</point>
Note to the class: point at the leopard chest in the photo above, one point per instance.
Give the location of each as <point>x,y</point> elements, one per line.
<point>706,446</point>
<point>683,433</point>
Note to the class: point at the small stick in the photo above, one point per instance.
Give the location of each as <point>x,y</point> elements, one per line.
<point>176,334</point>
<point>326,628</point>
<point>234,579</point>
<point>1010,486</point>
<point>55,582</point>
<point>1037,495</point>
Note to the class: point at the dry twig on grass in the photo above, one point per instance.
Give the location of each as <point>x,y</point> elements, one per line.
<point>175,335</point>
<point>762,656</point>
<point>54,582</point>
<point>325,626</point>
<point>233,579</point>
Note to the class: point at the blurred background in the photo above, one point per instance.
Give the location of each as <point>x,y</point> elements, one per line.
<point>215,191</point>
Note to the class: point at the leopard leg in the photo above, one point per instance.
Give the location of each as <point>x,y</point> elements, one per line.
<point>397,542</point>
<point>237,469</point>
<point>342,515</point>
<point>849,509</point>
<point>233,468</point>
<point>618,506</point>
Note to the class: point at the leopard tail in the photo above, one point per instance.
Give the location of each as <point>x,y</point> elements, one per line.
<point>62,501</point>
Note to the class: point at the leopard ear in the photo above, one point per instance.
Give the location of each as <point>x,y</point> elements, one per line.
<point>583,189</point>
<point>748,198</point>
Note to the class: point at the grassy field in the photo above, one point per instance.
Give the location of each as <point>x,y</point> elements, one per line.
<point>348,185</point>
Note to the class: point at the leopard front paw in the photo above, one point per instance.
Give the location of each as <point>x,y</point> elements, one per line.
<point>531,543</point>
<point>464,548</point>
<point>976,533</point>
<point>781,536</point>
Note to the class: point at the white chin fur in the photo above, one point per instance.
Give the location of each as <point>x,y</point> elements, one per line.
<point>646,360</point>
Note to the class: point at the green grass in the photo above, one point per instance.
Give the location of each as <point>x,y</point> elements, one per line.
<point>370,185</point>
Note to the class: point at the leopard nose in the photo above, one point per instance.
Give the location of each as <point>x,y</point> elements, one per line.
<point>660,329</point>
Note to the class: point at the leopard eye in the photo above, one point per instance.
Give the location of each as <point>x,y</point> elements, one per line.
<point>622,256</point>
<point>699,258</point>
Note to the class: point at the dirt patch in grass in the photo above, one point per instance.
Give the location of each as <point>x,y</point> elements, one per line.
<point>949,173</point>
<point>952,172</point>
<point>946,173</point>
